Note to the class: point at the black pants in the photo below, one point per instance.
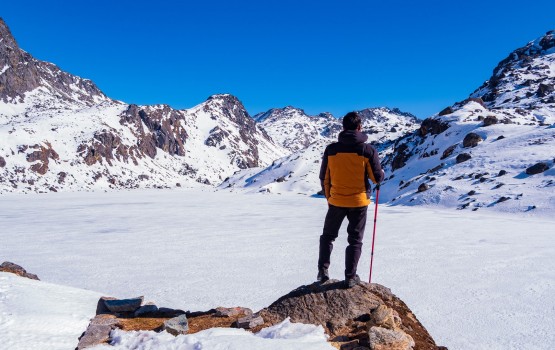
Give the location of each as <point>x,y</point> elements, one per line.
<point>355,229</point>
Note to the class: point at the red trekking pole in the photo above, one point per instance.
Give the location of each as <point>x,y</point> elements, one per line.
<point>374,233</point>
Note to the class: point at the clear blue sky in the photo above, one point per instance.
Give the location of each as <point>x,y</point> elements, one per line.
<point>323,55</point>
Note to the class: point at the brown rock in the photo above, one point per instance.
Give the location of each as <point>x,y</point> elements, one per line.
<point>433,126</point>
<point>490,120</point>
<point>463,157</point>
<point>423,187</point>
<point>42,155</point>
<point>387,339</point>
<point>385,317</point>
<point>328,304</point>
<point>471,140</point>
<point>16,269</point>
<point>448,151</point>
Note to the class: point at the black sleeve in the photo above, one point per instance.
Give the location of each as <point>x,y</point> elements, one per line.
<point>323,169</point>
<point>324,165</point>
<point>372,155</point>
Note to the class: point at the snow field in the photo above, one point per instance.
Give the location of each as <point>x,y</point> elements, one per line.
<point>476,280</point>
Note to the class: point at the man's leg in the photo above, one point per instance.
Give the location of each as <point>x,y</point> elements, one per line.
<point>355,229</point>
<point>333,221</point>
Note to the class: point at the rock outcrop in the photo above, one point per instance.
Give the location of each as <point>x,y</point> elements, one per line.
<point>367,315</point>
<point>16,269</point>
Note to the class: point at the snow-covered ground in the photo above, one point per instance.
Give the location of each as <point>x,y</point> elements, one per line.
<point>476,280</point>
<point>42,315</point>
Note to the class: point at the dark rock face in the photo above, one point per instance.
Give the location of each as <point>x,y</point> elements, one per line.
<point>471,140</point>
<point>400,158</point>
<point>537,168</point>
<point>16,269</point>
<point>448,151</point>
<point>123,305</point>
<point>432,126</point>
<point>522,58</point>
<point>2,162</point>
<point>445,111</point>
<point>545,89</point>
<point>25,74</point>
<point>43,154</point>
<point>347,311</point>
<point>463,157</point>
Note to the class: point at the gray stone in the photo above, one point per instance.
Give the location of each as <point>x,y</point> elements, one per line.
<point>177,325</point>
<point>250,321</point>
<point>105,320</point>
<point>385,317</point>
<point>94,335</point>
<point>146,310</point>
<point>387,339</point>
<point>232,311</point>
<point>124,305</point>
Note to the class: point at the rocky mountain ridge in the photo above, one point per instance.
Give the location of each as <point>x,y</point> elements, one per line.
<point>60,132</point>
<point>492,150</point>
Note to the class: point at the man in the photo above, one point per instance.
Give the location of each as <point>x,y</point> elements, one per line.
<point>347,167</point>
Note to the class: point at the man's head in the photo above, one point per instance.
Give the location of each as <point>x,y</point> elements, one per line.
<point>352,121</point>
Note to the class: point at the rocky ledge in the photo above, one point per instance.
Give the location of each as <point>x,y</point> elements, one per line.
<point>367,316</point>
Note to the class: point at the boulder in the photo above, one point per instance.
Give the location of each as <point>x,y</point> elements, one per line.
<point>463,157</point>
<point>433,126</point>
<point>177,325</point>
<point>448,151</point>
<point>423,187</point>
<point>502,172</point>
<point>2,162</point>
<point>123,305</point>
<point>146,310</point>
<point>344,313</point>
<point>16,269</point>
<point>545,89</point>
<point>388,339</point>
<point>537,168</point>
<point>385,317</point>
<point>490,120</point>
<point>98,331</point>
<point>471,140</point>
<point>232,311</point>
<point>249,321</point>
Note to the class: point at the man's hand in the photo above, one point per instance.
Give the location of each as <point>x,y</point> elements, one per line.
<point>377,187</point>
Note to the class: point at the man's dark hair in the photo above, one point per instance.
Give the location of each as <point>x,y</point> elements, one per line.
<point>351,121</point>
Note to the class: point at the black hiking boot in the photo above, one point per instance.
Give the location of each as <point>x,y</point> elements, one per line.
<point>323,275</point>
<point>351,282</point>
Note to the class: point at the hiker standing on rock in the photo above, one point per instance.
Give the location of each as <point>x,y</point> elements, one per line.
<point>347,167</point>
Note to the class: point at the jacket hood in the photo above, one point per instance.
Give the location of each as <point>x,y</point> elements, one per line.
<point>352,137</point>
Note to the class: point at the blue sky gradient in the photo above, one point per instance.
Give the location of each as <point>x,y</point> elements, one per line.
<point>336,56</point>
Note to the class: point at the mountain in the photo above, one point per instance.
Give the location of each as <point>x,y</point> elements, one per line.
<point>293,129</point>
<point>298,172</point>
<point>492,150</point>
<point>61,132</point>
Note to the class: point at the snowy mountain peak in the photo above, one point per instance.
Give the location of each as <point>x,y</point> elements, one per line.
<point>40,84</point>
<point>6,38</point>
<point>525,79</point>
